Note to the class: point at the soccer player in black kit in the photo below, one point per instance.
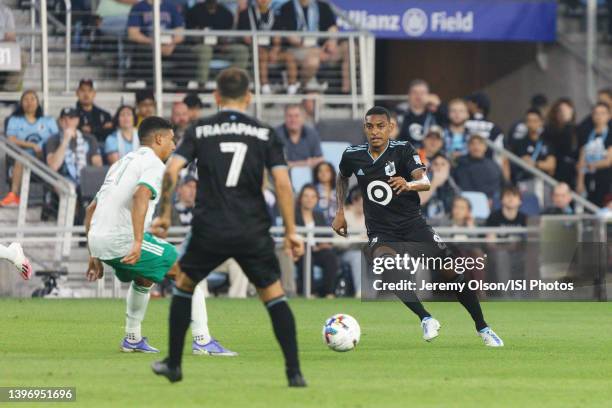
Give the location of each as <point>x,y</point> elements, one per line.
<point>390,175</point>
<point>230,219</point>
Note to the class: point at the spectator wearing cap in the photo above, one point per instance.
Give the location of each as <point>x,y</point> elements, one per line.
<point>211,15</point>
<point>423,112</point>
<point>93,120</point>
<point>30,130</point>
<point>260,16</point>
<point>145,105</point>
<point>433,144</point>
<point>125,137</point>
<point>437,201</point>
<point>140,35</point>
<point>195,105</point>
<point>518,130</point>
<point>561,201</point>
<point>313,16</point>
<point>533,149</point>
<point>477,172</point>
<point>456,133</point>
<point>182,210</point>
<point>70,151</point>
<point>302,142</point>
<point>595,161</point>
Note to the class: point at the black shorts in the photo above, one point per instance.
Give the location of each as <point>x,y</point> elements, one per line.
<point>417,239</point>
<point>255,256</point>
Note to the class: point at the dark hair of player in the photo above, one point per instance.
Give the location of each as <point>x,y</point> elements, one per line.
<point>534,111</point>
<point>379,110</point>
<point>603,105</point>
<point>151,126</point>
<point>511,189</point>
<point>233,83</point>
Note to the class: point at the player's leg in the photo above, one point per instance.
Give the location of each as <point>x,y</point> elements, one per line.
<point>377,248</point>
<point>195,264</point>
<point>467,297</point>
<point>263,270</point>
<point>14,254</point>
<point>137,301</point>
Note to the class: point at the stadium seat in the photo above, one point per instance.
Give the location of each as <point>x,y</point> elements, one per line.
<point>531,204</point>
<point>341,130</point>
<point>92,179</point>
<point>332,152</point>
<point>300,176</point>
<point>479,203</point>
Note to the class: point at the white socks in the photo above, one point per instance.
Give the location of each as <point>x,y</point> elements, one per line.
<point>137,301</point>
<point>199,315</point>
<point>8,253</point>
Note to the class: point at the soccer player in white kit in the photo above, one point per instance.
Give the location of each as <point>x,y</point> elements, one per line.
<point>116,222</point>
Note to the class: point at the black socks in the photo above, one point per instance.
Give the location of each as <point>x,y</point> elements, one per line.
<point>284,329</point>
<point>180,319</point>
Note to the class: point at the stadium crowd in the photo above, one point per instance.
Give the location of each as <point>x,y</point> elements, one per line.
<point>470,183</point>
<point>451,139</point>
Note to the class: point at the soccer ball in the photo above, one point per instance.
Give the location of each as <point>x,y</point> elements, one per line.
<point>341,332</point>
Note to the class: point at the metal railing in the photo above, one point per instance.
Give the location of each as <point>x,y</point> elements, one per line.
<point>64,188</point>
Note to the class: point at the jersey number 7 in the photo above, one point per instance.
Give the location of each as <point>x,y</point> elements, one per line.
<point>238,150</point>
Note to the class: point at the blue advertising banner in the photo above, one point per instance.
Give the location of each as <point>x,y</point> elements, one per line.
<point>470,20</point>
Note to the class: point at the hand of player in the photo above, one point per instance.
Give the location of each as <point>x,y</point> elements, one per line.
<point>134,255</point>
<point>293,246</point>
<point>160,226</point>
<point>339,224</point>
<point>399,184</point>
<point>95,270</point>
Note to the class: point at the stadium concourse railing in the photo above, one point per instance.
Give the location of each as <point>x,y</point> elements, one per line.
<point>62,239</point>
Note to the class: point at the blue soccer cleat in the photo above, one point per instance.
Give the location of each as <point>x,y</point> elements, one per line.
<point>212,348</point>
<point>490,338</point>
<point>141,347</point>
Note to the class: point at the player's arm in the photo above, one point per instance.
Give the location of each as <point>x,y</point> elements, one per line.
<point>420,182</point>
<point>284,194</point>
<point>162,222</point>
<point>140,205</point>
<point>95,270</point>
<point>339,223</point>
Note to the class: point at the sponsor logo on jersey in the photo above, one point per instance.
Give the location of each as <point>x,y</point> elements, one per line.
<point>379,192</point>
<point>390,168</point>
<point>232,128</point>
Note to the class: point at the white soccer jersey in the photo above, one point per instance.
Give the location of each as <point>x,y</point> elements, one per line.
<point>111,233</point>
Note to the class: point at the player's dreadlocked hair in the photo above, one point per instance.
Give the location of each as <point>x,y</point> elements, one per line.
<point>233,83</point>
<point>150,126</point>
<point>379,110</point>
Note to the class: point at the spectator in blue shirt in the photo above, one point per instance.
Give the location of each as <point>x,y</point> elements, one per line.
<point>125,137</point>
<point>28,129</point>
<point>302,143</point>
<point>140,34</point>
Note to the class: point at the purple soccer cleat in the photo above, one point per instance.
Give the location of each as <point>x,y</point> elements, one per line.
<point>141,347</point>
<point>212,348</point>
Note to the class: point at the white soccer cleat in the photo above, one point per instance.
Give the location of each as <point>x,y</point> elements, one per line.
<point>490,338</point>
<point>431,328</point>
<point>21,262</point>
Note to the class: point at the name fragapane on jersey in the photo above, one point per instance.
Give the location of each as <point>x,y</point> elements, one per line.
<point>232,128</point>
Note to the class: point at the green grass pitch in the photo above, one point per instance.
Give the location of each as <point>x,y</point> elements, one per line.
<point>556,355</point>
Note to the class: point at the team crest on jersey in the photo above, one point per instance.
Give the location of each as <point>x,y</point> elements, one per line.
<point>417,159</point>
<point>390,168</point>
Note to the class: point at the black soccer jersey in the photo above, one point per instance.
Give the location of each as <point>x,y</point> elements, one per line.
<point>232,149</point>
<point>385,211</point>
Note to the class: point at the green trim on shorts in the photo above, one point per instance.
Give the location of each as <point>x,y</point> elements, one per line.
<point>150,187</point>
<point>156,260</point>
